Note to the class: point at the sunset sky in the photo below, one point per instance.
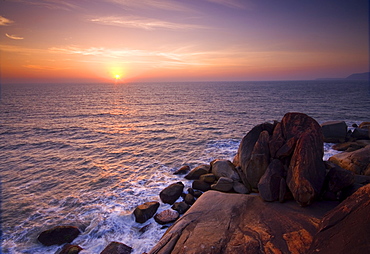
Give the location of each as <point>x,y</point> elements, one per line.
<point>188,40</point>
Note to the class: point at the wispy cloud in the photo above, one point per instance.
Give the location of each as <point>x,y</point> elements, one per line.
<point>5,22</point>
<point>66,5</point>
<point>143,23</point>
<point>14,37</point>
<point>41,67</point>
<point>236,4</point>
<point>150,4</point>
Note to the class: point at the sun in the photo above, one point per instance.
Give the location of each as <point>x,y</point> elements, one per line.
<point>117,77</point>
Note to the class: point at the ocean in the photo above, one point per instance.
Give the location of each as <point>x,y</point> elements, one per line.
<point>88,154</point>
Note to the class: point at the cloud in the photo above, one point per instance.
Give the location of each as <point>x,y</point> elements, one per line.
<point>5,22</point>
<point>52,4</point>
<point>235,4</point>
<point>41,67</point>
<point>143,23</point>
<point>150,4</point>
<point>14,37</point>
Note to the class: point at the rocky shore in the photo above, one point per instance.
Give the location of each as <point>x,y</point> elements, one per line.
<point>298,203</point>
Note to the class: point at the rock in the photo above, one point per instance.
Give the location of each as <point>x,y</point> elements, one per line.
<point>145,211</point>
<point>116,248</point>
<point>58,235</point>
<point>224,168</point>
<point>348,191</point>
<point>247,144</point>
<point>197,172</point>
<point>180,207</point>
<point>171,193</point>
<point>200,185</point>
<point>269,184</point>
<point>276,141</point>
<point>357,161</point>
<point>224,184</point>
<point>259,160</point>
<point>364,125</point>
<point>208,178</point>
<point>189,199</point>
<point>182,171</point>
<point>345,229</point>
<point>287,149</point>
<point>236,223</point>
<point>362,179</point>
<point>240,188</point>
<point>359,133</point>
<point>338,178</point>
<point>348,146</point>
<point>334,131</point>
<point>282,190</point>
<point>166,216</point>
<point>70,249</point>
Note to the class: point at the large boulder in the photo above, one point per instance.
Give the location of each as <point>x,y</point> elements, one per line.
<point>145,211</point>
<point>338,178</point>
<point>306,171</point>
<point>259,160</point>
<point>357,161</point>
<point>224,168</point>
<point>236,223</point>
<point>117,248</point>
<point>334,131</point>
<point>224,184</point>
<point>269,184</point>
<point>171,193</point>
<point>58,235</point>
<point>346,228</point>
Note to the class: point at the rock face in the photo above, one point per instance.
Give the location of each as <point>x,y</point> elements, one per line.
<point>117,248</point>
<point>145,211</point>
<point>58,235</point>
<point>346,228</point>
<point>171,193</point>
<point>357,161</point>
<point>334,131</point>
<point>236,223</point>
<point>269,185</point>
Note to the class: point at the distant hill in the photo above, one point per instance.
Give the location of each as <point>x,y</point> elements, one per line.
<point>354,76</point>
<point>359,76</point>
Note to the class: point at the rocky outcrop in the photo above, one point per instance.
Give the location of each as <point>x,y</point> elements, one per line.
<point>224,184</point>
<point>171,193</point>
<point>145,211</point>
<point>345,229</point>
<point>58,235</point>
<point>117,248</point>
<point>195,173</point>
<point>334,131</point>
<point>357,161</point>
<point>236,223</point>
<point>269,185</point>
<point>224,168</point>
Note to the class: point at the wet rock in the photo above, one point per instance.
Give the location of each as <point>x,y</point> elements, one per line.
<point>345,229</point>
<point>171,193</point>
<point>117,248</point>
<point>58,235</point>
<point>306,171</point>
<point>269,184</point>
<point>166,216</point>
<point>359,133</point>
<point>197,172</point>
<point>334,131</point>
<point>145,211</point>
<point>224,168</point>
<point>180,207</point>
<point>70,249</point>
<point>201,185</point>
<point>348,146</point>
<point>208,178</point>
<point>236,223</point>
<point>259,160</point>
<point>364,125</point>
<point>182,171</point>
<point>189,199</point>
<point>224,184</point>
<point>357,161</point>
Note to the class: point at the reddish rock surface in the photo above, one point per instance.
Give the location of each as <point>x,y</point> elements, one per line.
<point>117,248</point>
<point>58,235</point>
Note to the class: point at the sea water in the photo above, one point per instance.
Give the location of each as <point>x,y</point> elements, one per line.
<point>88,154</point>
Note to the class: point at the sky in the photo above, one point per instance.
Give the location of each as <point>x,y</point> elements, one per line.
<point>187,40</point>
